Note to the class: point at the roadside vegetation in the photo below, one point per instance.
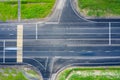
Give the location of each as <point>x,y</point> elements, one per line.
<point>100,73</point>
<point>18,73</point>
<point>100,8</point>
<point>30,9</point>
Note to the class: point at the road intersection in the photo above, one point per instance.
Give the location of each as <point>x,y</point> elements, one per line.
<point>66,39</point>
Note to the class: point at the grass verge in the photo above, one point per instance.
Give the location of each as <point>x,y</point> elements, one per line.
<point>11,74</point>
<point>30,9</point>
<point>18,73</point>
<point>101,73</point>
<point>100,8</point>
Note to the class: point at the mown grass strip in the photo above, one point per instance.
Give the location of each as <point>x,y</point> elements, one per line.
<point>100,73</point>
<point>11,74</point>
<point>100,8</point>
<point>30,9</point>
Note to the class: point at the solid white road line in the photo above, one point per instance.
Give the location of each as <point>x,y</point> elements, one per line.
<point>4,51</point>
<point>36,31</point>
<point>79,45</point>
<point>109,33</point>
<point>51,23</point>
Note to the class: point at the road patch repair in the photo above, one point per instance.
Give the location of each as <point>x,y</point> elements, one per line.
<point>93,73</point>
<point>20,43</point>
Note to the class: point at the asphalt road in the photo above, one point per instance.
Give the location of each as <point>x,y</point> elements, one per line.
<point>66,39</point>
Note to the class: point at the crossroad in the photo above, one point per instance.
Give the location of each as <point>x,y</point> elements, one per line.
<point>64,38</point>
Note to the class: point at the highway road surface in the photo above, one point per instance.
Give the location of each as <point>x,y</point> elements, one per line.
<point>65,39</point>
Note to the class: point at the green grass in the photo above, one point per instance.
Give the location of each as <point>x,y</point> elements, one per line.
<point>18,73</point>
<point>30,9</point>
<point>110,73</point>
<point>11,74</point>
<point>32,72</point>
<point>100,8</point>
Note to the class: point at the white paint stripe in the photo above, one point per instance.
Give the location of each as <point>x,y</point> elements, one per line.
<point>8,40</point>
<point>87,33</point>
<point>83,28</point>
<point>11,48</point>
<point>46,63</point>
<point>79,45</point>
<point>36,31</point>
<point>62,39</point>
<point>70,39</point>
<point>66,23</point>
<point>51,23</point>
<point>4,51</point>
<point>94,57</point>
<point>94,39</point>
<point>109,33</point>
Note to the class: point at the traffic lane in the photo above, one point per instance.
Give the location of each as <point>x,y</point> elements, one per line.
<point>9,60</point>
<point>57,29</point>
<point>1,48</point>
<point>71,53</point>
<point>29,29</point>
<point>47,53</point>
<point>44,42</point>
<point>8,31</point>
<point>89,42</point>
<point>63,62</point>
<point>68,15</point>
<point>31,36</point>
<point>115,24</point>
<point>8,36</point>
<point>8,27</point>
<point>87,31</point>
<point>106,20</point>
<point>77,30</point>
<point>66,48</point>
<point>51,31</point>
<point>83,25</point>
<point>65,42</point>
<point>74,36</point>
<point>74,30</point>
<point>10,43</point>
<point>10,54</point>
<point>115,41</point>
<point>60,44</point>
<point>115,35</point>
<point>1,43</point>
<point>1,51</point>
<point>42,48</point>
<point>1,56</point>
<point>73,25</point>
<point>1,60</point>
<point>71,36</point>
<point>94,48</point>
<point>115,30</point>
<point>87,36</point>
